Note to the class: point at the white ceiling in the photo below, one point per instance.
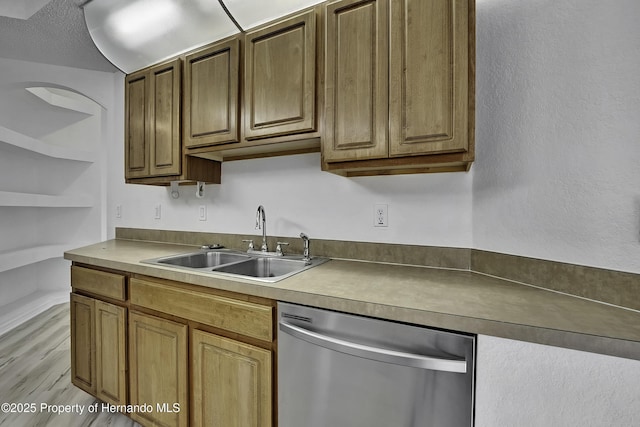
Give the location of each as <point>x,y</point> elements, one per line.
<point>55,34</point>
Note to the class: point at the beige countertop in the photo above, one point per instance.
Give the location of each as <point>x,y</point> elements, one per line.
<point>451,299</point>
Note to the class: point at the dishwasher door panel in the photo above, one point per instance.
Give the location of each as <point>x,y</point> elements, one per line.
<point>320,387</point>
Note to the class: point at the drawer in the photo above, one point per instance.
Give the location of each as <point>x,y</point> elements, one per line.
<point>109,285</point>
<point>242,317</point>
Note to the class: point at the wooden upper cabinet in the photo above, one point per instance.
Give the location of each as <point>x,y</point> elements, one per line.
<point>399,92</point>
<point>356,81</point>
<point>211,95</point>
<point>429,76</point>
<point>153,136</point>
<point>165,125</point>
<point>137,125</point>
<point>280,78</point>
<point>152,122</point>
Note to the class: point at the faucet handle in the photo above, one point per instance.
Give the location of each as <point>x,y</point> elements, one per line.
<point>279,251</point>
<point>250,241</point>
<point>213,246</point>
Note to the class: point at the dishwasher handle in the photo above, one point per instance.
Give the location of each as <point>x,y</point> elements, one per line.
<point>374,353</point>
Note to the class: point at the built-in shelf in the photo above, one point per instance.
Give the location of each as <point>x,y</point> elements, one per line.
<point>16,139</point>
<point>16,258</point>
<point>17,312</point>
<point>53,178</point>
<point>63,98</point>
<point>8,198</point>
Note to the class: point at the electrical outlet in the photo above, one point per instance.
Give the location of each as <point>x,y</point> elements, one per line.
<point>202,212</point>
<point>381,215</point>
<point>119,211</point>
<point>158,213</point>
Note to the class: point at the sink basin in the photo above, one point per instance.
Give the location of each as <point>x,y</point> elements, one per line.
<point>202,259</point>
<point>240,264</point>
<point>264,267</point>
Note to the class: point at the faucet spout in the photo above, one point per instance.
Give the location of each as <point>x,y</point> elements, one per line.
<point>306,254</point>
<point>261,223</point>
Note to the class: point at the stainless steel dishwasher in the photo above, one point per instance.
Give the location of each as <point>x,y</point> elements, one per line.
<point>341,370</point>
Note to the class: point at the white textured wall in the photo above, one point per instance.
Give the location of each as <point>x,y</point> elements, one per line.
<point>297,196</point>
<point>557,174</point>
<point>530,385</point>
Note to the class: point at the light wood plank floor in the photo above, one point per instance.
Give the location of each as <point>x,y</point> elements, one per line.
<point>35,367</point>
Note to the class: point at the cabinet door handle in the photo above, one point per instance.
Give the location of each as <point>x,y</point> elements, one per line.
<point>457,365</point>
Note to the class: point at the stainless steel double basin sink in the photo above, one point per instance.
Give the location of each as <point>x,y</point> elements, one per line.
<point>264,268</point>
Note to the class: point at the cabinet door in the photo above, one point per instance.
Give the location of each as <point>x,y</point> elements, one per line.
<point>165,141</point>
<point>83,363</point>
<point>231,382</point>
<point>280,78</point>
<point>137,119</point>
<point>158,369</point>
<point>429,76</point>
<point>356,81</point>
<point>152,122</point>
<point>211,107</point>
<point>111,363</point>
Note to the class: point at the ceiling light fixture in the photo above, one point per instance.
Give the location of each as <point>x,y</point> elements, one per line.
<point>142,21</point>
<point>139,33</point>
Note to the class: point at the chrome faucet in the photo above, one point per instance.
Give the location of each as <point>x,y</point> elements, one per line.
<point>306,255</point>
<point>261,217</point>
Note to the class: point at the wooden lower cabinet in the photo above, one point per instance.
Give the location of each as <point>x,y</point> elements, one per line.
<point>171,354</point>
<point>83,343</point>
<point>111,353</point>
<point>158,370</point>
<point>231,382</point>
<point>98,348</point>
